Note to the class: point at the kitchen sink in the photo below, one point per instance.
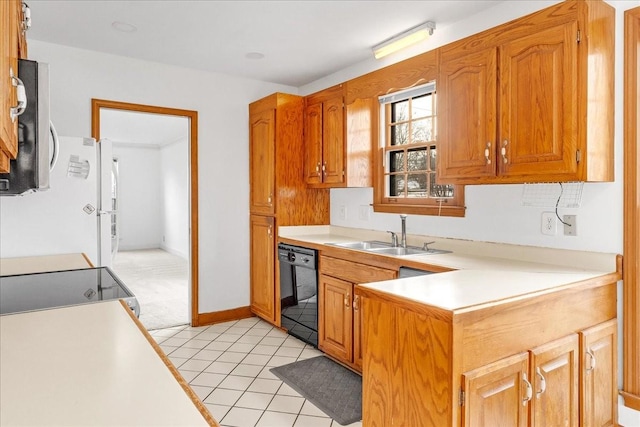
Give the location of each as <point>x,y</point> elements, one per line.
<point>384,248</point>
<point>364,246</point>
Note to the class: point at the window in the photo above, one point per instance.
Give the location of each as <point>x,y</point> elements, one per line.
<point>408,151</point>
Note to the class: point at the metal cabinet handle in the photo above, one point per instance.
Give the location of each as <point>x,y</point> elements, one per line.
<point>356,302</point>
<point>528,390</point>
<point>270,232</point>
<point>592,365</point>
<point>26,15</point>
<point>503,151</point>
<point>542,381</point>
<point>270,198</point>
<point>324,168</point>
<point>487,153</point>
<point>14,112</point>
<point>347,298</point>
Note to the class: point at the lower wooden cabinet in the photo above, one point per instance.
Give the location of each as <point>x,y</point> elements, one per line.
<point>339,313</point>
<point>599,390</point>
<point>535,388</point>
<point>262,260</point>
<point>523,363</point>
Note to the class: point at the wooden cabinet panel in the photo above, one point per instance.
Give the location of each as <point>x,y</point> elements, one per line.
<point>494,393</point>
<point>335,334</point>
<point>333,141</point>
<point>262,260</point>
<point>467,116</point>
<point>9,30</point>
<point>554,377</point>
<point>262,161</point>
<point>538,104</point>
<point>341,276</point>
<point>599,389</point>
<point>554,101</point>
<point>313,144</point>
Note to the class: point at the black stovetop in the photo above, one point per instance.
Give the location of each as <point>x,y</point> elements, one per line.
<point>38,291</point>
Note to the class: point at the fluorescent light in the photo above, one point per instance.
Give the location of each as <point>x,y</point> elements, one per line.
<point>402,40</point>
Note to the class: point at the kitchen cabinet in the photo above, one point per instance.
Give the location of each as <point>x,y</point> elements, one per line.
<point>538,388</point>
<point>12,45</point>
<point>339,314</point>
<point>599,391</point>
<point>278,194</point>
<point>262,259</point>
<point>528,102</point>
<point>431,365</point>
<point>337,140</point>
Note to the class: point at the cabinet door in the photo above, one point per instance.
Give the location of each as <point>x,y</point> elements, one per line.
<point>262,151</point>
<point>554,377</point>
<point>599,373</point>
<point>262,259</point>
<point>335,332</point>
<point>495,394</point>
<point>333,141</point>
<point>8,63</point>
<point>538,103</point>
<point>313,144</point>
<point>466,90</point>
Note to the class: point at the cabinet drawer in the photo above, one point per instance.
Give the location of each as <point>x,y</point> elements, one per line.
<point>353,271</point>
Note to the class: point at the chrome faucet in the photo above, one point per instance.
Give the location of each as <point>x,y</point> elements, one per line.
<point>403,237</point>
<point>394,239</point>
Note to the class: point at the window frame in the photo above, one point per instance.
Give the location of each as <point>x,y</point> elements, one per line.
<point>410,205</point>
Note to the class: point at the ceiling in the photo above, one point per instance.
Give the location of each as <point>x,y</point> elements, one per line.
<point>301,41</point>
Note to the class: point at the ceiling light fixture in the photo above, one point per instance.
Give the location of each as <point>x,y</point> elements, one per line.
<point>402,40</point>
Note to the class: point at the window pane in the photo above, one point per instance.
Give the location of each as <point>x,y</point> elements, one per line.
<point>417,159</point>
<point>399,111</point>
<point>396,161</point>
<point>432,158</point>
<point>422,130</point>
<point>396,185</point>
<point>417,185</point>
<point>422,106</point>
<point>400,134</point>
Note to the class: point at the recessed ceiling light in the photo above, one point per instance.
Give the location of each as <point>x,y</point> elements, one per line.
<point>254,55</point>
<point>123,27</point>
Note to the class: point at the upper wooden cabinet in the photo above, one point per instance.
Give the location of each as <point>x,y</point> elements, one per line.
<point>337,151</point>
<point>530,100</point>
<point>262,145</point>
<point>12,46</point>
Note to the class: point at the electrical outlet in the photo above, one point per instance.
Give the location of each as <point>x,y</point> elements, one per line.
<point>570,225</point>
<point>549,224</point>
<point>342,212</point>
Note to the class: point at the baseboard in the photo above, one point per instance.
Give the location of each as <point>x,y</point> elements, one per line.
<point>174,252</point>
<point>205,319</point>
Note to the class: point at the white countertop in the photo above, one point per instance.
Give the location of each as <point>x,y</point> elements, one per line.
<point>86,365</point>
<point>485,272</point>
<point>40,264</point>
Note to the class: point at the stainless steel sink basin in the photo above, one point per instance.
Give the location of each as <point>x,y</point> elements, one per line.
<point>364,246</point>
<point>385,248</point>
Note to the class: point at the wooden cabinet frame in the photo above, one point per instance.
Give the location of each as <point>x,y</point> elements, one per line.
<point>631,272</point>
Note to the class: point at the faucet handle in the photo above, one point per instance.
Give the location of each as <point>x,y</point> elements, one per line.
<point>425,247</point>
<point>394,238</point>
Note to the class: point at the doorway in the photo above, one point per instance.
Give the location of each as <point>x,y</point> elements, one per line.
<point>102,113</point>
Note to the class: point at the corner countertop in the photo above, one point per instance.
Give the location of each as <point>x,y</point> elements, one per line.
<point>88,365</point>
<point>484,273</point>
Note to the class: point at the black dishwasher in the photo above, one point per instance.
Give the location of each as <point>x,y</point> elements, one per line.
<point>299,292</point>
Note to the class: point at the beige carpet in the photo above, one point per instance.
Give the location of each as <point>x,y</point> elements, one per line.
<point>159,280</point>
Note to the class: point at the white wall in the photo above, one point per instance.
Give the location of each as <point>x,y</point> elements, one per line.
<point>174,159</point>
<point>140,197</point>
<point>222,103</point>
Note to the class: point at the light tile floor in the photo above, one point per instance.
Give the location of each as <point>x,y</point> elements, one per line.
<point>227,365</point>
